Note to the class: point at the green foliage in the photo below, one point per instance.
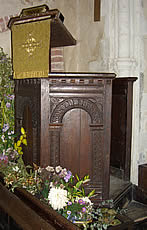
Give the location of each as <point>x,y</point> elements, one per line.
<point>103,217</point>
<point>6,91</point>
<point>16,174</point>
<point>6,103</point>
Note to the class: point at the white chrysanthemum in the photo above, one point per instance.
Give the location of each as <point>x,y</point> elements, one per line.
<point>58,198</point>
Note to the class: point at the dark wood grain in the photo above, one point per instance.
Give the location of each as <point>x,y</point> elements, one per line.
<point>121,132</point>
<point>142,179</point>
<point>97,10</point>
<point>75,142</point>
<point>71,123</point>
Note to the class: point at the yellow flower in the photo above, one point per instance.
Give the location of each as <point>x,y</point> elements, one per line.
<point>22,131</point>
<point>24,141</point>
<point>18,143</point>
<point>20,152</point>
<point>19,149</point>
<point>21,138</point>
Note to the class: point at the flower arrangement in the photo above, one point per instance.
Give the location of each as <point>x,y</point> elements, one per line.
<point>56,186</point>
<point>65,193</point>
<point>59,188</point>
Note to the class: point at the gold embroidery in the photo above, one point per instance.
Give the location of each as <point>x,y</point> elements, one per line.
<point>31,43</point>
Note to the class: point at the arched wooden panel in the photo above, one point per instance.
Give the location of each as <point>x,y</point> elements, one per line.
<point>75,142</point>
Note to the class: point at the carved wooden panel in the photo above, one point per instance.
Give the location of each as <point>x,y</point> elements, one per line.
<point>71,123</point>
<point>75,139</point>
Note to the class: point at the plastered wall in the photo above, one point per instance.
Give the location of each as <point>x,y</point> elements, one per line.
<point>79,20</point>
<point>142,158</point>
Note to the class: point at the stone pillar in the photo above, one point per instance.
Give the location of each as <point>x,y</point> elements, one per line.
<point>123,26</point>
<point>124,63</point>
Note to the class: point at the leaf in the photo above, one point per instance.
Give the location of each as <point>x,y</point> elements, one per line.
<point>115,222</point>
<point>83,191</point>
<point>29,167</point>
<point>86,177</point>
<point>112,212</point>
<point>77,177</point>
<point>36,167</point>
<point>86,181</point>
<point>91,193</point>
<point>78,184</point>
<point>15,146</point>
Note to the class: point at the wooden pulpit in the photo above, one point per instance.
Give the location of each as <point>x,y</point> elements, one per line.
<point>67,116</point>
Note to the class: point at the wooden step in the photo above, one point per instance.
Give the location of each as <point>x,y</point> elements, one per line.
<point>136,211</point>
<point>120,191</point>
<point>132,199</point>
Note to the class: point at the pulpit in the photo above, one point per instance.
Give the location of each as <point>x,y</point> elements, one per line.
<point>67,116</point>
